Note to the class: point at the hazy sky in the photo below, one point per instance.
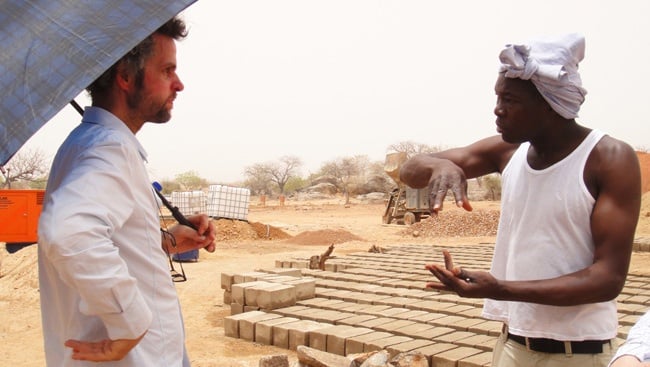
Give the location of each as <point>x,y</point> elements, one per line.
<point>327,79</point>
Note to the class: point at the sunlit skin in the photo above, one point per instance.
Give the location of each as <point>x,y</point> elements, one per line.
<point>523,115</point>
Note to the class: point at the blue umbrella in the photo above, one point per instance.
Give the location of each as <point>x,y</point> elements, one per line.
<point>53,49</point>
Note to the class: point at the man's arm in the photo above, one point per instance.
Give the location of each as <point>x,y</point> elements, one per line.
<point>613,222</point>
<point>450,169</point>
<point>637,346</point>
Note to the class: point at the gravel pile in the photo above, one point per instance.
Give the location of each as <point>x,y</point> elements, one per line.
<point>457,223</point>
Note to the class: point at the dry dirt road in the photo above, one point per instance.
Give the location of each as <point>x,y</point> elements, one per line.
<point>300,229</point>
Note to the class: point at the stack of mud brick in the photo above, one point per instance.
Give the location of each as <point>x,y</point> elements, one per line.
<point>366,302</point>
<point>265,289</point>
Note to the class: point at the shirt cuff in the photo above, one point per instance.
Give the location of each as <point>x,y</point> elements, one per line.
<point>132,322</point>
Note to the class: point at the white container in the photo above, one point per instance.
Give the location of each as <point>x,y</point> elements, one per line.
<point>189,202</point>
<point>228,202</point>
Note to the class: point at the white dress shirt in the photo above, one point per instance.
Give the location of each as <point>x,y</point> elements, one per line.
<point>102,271</point>
<point>637,343</point>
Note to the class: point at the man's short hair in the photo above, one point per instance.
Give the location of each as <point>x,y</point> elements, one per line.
<point>134,59</point>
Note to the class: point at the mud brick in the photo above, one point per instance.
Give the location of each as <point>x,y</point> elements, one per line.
<point>632,308</point>
<point>427,317</point>
<point>478,360</point>
<point>305,287</point>
<point>251,292</point>
<point>628,319</point>
<point>227,281</point>
<point>451,358</point>
<point>355,320</point>
<point>369,298</point>
<point>236,308</point>
<point>281,331</point>
<point>395,312</point>
<point>227,297</point>
<point>466,323</point>
<point>375,309</point>
<point>453,337</point>
<point>281,271</point>
<point>482,342</point>
<point>448,321</point>
<point>354,308</point>
<point>264,329</point>
<point>238,291</point>
<point>302,336</point>
<point>435,332</point>
<point>252,308</point>
<point>379,344</point>
<point>247,325</point>
<point>336,340</point>
<point>412,314</point>
<point>231,323</point>
<point>330,304</point>
<point>373,323</point>
<point>492,328</point>
<point>348,296</point>
<point>391,326</point>
<point>246,277</point>
<point>356,344</point>
<point>276,297</point>
<point>434,349</point>
<point>289,311</point>
<point>414,330</point>
<point>408,346</point>
<point>330,316</point>
<point>474,312</point>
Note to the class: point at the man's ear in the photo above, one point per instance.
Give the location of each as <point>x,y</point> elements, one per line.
<point>123,79</point>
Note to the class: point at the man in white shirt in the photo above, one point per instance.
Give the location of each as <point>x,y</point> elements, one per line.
<point>106,290</point>
<point>567,222</point>
<point>635,352</point>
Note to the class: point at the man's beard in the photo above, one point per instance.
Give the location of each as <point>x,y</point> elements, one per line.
<point>151,112</point>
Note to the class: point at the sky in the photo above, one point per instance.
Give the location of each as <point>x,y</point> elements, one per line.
<point>323,80</point>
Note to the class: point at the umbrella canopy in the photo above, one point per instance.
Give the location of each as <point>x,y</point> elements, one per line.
<point>52,50</point>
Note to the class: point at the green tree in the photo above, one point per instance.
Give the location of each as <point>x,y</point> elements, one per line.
<point>492,185</point>
<point>191,180</point>
<point>346,172</point>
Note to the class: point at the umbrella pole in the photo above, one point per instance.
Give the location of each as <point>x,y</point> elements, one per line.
<point>77,107</point>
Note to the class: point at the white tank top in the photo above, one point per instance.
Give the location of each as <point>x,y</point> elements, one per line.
<point>544,232</point>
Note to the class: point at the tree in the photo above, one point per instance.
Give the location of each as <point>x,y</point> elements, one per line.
<point>492,184</point>
<point>277,172</point>
<point>190,180</point>
<point>28,168</point>
<point>344,171</point>
<point>257,178</point>
<point>412,148</point>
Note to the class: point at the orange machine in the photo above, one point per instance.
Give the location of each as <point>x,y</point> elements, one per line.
<point>19,212</point>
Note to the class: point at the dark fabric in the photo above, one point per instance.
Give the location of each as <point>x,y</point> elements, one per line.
<point>555,346</point>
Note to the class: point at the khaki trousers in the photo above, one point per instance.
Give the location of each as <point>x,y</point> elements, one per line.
<point>508,353</point>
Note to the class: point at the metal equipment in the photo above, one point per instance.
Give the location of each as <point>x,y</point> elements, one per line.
<point>405,205</point>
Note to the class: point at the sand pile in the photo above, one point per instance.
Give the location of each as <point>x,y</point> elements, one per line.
<point>457,223</point>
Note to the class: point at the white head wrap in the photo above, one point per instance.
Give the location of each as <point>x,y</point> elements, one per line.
<point>552,65</point>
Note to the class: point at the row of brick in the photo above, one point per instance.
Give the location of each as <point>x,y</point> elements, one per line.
<point>381,296</point>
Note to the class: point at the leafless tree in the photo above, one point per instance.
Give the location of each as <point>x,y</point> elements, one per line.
<point>412,148</point>
<point>344,170</point>
<point>28,168</point>
<point>279,172</point>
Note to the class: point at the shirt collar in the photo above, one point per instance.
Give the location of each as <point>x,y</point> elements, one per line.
<point>100,116</point>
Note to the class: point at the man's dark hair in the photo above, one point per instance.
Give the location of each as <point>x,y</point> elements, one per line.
<point>134,60</point>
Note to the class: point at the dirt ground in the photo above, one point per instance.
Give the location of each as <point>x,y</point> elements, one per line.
<point>300,228</point>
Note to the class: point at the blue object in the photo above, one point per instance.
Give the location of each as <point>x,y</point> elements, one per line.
<point>52,50</point>
<point>189,256</point>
